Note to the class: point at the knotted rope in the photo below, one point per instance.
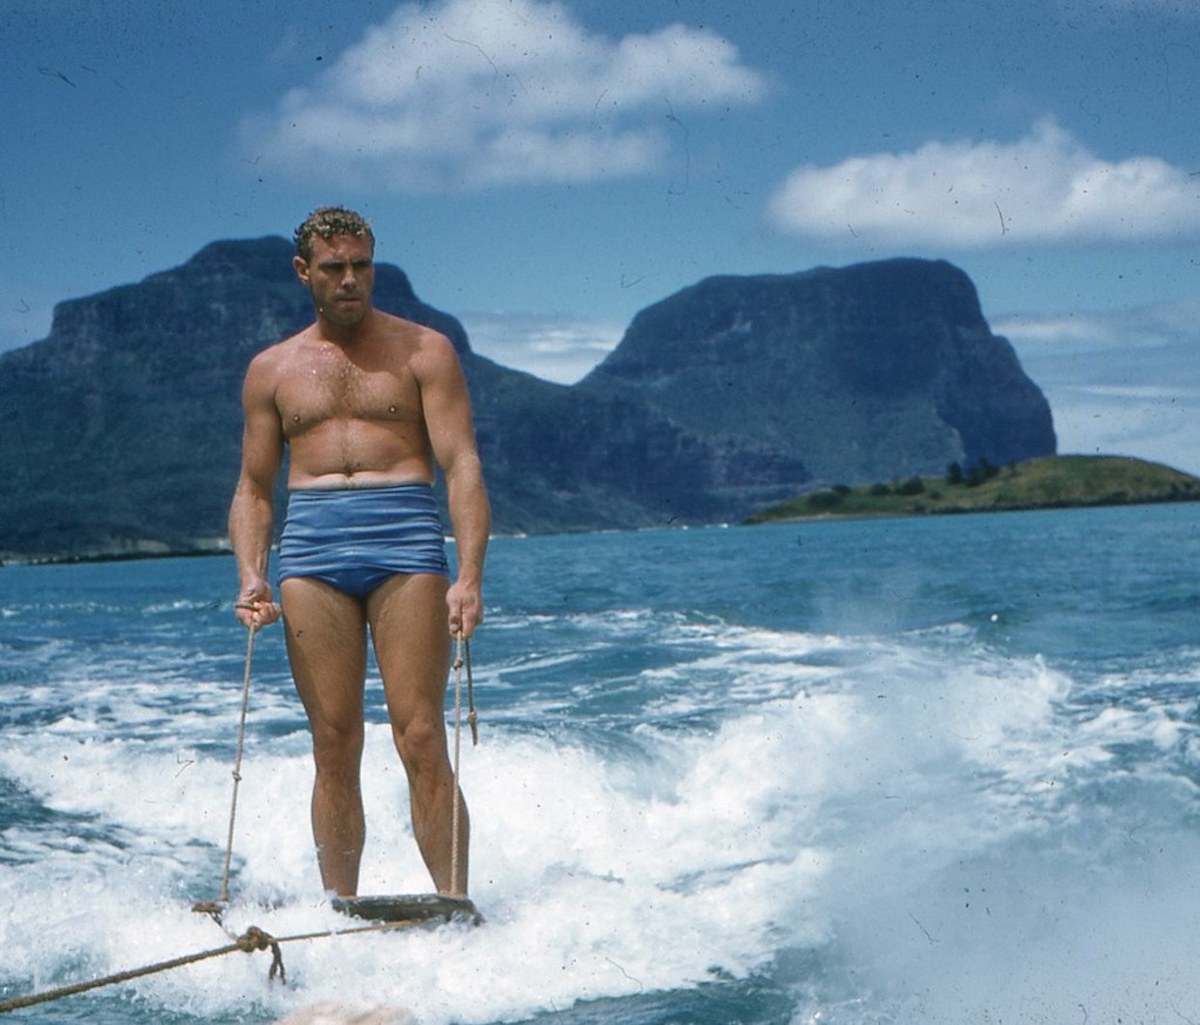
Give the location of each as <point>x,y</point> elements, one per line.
<point>237,765</point>
<point>251,940</point>
<point>462,648</point>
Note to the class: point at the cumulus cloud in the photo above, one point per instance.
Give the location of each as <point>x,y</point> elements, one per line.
<point>469,93</point>
<point>1046,188</point>
<point>1123,382</point>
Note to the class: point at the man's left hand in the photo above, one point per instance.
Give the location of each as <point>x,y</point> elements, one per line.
<point>465,605</point>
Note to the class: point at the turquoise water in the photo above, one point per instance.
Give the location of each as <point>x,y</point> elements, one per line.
<point>926,770</point>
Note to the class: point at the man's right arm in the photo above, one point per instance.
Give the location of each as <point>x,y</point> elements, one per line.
<point>252,514</point>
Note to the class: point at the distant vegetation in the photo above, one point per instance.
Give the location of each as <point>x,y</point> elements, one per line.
<point>1047,483</point>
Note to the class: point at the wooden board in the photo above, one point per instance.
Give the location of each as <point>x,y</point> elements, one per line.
<point>419,907</point>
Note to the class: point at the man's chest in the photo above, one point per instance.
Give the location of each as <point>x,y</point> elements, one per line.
<point>337,388</point>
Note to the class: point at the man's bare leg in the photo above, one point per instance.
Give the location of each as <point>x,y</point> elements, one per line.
<point>326,643</point>
<point>412,646</point>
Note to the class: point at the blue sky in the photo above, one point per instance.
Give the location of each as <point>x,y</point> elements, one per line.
<point>545,170</point>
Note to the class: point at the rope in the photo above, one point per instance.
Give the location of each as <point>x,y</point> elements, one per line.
<point>253,939</point>
<point>456,887</point>
<point>237,767</point>
<point>462,648</point>
<point>472,718</point>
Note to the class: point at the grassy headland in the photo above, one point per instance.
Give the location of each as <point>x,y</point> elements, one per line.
<point>1051,482</point>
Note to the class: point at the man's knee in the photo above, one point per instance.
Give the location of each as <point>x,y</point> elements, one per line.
<point>338,750</point>
<point>421,745</point>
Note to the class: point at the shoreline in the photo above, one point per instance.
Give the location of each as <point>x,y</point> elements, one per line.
<point>1045,483</point>
<point>834,517</point>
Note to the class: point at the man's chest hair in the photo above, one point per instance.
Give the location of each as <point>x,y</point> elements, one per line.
<point>332,385</point>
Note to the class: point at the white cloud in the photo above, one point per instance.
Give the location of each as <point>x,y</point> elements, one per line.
<point>1123,382</point>
<point>1164,326</point>
<point>1045,188</point>
<point>554,348</point>
<point>1161,427</point>
<point>468,93</point>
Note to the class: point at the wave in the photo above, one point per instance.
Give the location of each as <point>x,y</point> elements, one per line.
<point>871,828</point>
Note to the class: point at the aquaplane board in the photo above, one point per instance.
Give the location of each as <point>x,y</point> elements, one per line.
<point>419,907</point>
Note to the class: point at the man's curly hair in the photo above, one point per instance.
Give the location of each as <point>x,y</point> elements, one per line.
<point>328,221</point>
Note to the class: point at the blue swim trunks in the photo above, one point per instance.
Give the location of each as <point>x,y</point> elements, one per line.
<point>356,538</point>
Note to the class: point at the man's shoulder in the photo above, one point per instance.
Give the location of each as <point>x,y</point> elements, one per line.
<point>418,343</point>
<point>267,364</point>
<point>410,330</point>
<point>284,346</point>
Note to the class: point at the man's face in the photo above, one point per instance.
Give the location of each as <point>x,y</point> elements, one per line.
<point>340,275</point>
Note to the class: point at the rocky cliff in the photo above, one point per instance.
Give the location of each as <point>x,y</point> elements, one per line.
<point>121,430</point>
<point>866,373</point>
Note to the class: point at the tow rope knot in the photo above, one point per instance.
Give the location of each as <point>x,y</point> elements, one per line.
<point>255,939</point>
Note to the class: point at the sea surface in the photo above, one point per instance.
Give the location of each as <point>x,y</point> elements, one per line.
<point>937,770</point>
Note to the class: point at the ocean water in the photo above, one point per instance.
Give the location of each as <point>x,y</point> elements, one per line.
<point>917,770</point>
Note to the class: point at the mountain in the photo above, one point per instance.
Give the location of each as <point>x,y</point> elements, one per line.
<point>865,373</point>
<point>121,429</point>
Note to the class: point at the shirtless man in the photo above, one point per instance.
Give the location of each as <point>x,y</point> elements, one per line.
<point>367,403</point>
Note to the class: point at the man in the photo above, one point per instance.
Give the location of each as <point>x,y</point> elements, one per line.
<point>366,403</point>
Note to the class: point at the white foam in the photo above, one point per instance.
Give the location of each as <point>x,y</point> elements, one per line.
<point>894,805</point>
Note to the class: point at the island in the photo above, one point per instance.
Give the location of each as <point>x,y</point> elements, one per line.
<point>1047,482</point>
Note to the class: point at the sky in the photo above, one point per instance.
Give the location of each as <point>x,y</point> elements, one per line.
<point>544,170</point>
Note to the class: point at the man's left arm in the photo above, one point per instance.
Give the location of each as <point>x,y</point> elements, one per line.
<point>448,420</point>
